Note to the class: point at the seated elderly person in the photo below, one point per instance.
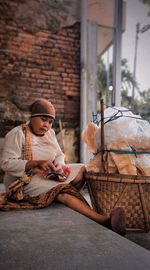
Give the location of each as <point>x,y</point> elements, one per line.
<point>35,172</point>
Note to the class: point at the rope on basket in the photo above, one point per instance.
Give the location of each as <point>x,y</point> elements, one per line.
<point>118,114</point>
<point>122,152</point>
<point>104,120</point>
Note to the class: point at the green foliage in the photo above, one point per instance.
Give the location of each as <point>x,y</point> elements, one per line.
<point>101,78</point>
<point>141,104</point>
<point>126,100</point>
<point>145,2</point>
<point>127,79</point>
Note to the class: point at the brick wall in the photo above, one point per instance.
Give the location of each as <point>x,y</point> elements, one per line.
<point>40,57</point>
<point>42,63</point>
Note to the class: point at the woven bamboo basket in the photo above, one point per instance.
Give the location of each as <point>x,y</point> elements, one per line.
<point>130,192</point>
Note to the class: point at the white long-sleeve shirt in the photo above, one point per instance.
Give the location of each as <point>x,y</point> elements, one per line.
<point>43,148</point>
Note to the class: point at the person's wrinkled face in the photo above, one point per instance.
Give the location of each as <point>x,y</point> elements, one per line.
<point>40,124</point>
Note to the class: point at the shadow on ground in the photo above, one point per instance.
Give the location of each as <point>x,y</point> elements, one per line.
<point>140,238</point>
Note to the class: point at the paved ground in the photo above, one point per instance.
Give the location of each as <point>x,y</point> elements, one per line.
<point>58,238</point>
<point>36,237</point>
<point>140,238</point>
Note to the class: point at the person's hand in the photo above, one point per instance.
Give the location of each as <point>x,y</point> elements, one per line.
<point>45,165</point>
<point>64,169</point>
<point>59,168</point>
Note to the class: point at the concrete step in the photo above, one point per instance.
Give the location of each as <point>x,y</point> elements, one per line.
<point>59,238</point>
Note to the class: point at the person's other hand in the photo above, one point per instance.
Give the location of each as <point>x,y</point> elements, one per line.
<point>59,168</point>
<point>45,165</point>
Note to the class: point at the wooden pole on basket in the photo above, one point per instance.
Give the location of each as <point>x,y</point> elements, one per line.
<point>102,134</point>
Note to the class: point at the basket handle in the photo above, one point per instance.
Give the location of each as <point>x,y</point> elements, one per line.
<point>102,135</point>
<point>145,212</point>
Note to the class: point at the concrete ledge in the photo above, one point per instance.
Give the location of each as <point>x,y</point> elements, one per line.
<point>59,238</point>
<point>1,149</point>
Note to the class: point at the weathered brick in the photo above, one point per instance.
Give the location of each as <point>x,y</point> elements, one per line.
<point>38,64</point>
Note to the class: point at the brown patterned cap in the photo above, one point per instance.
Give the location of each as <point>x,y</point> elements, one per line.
<point>42,107</point>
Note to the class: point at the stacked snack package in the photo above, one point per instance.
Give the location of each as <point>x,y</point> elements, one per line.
<point>126,141</point>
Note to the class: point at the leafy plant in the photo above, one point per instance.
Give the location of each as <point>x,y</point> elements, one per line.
<point>141,104</point>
